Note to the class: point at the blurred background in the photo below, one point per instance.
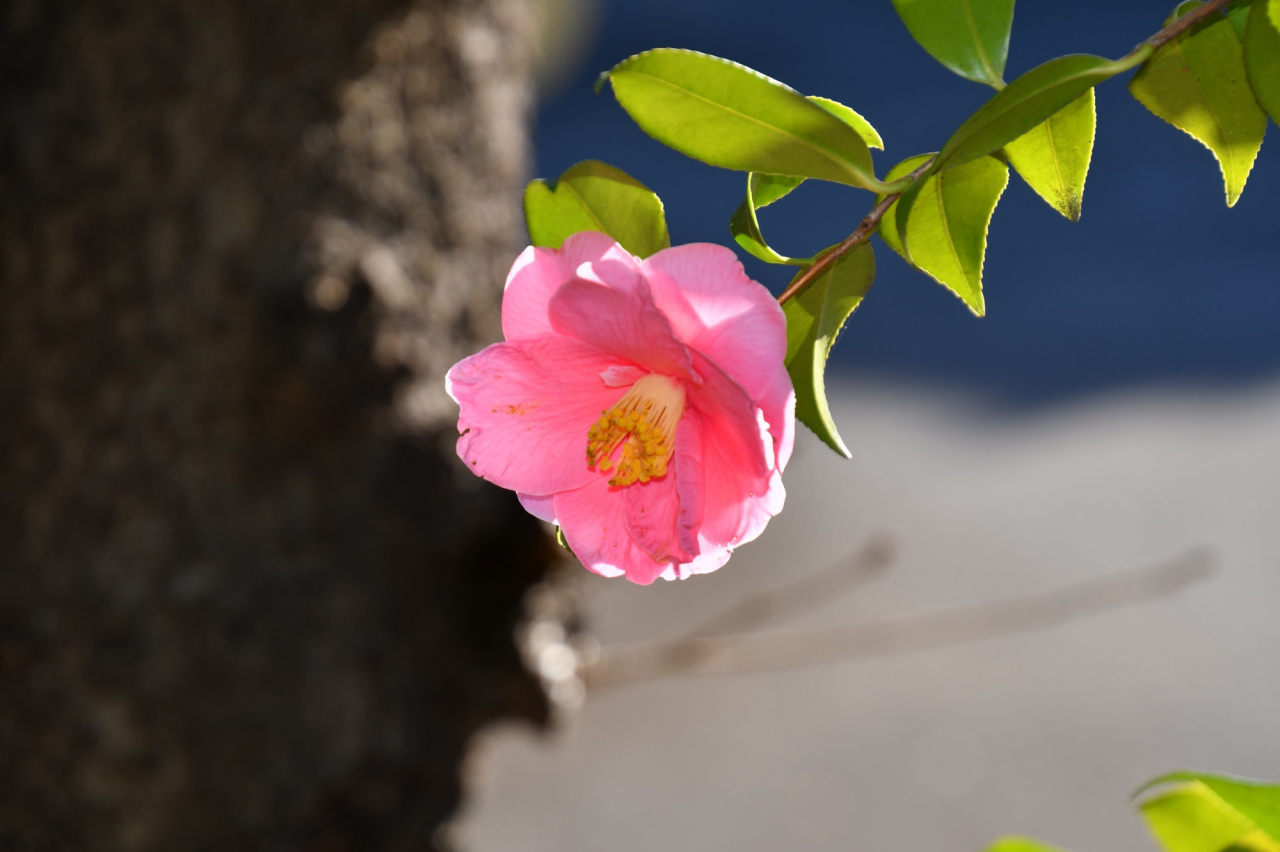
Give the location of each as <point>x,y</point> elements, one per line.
<point>1118,404</point>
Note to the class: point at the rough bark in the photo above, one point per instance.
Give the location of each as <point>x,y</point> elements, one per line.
<point>248,599</point>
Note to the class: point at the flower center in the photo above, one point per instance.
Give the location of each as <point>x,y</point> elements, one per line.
<point>643,424</point>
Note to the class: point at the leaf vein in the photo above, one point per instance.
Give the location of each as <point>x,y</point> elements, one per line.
<point>840,160</point>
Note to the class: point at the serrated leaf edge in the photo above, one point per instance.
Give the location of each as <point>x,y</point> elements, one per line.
<point>865,180</point>
<point>1231,202</point>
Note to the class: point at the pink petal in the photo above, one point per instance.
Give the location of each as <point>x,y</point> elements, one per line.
<point>594,521</point>
<point>624,324</point>
<point>526,407</point>
<point>539,506</point>
<point>779,406</point>
<point>653,515</point>
<point>538,273</point>
<point>728,486</point>
<point>730,420</point>
<point>715,308</point>
<point>712,559</point>
<point>688,458</point>
<point>622,377</point>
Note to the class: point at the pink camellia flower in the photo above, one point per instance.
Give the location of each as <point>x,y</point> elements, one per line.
<point>642,405</point>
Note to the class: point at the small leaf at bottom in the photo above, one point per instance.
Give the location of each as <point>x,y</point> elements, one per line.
<point>1197,812</point>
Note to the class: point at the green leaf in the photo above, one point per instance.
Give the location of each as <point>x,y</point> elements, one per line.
<point>1198,83</point>
<point>852,118</point>
<point>769,188</point>
<point>1262,58</point>
<point>947,237</point>
<point>1273,12</point>
<point>564,542</point>
<point>745,227</point>
<point>594,196</point>
<point>814,320</point>
<point>1024,103</point>
<point>1210,813</point>
<point>763,190</point>
<point>1054,157</point>
<point>727,115</point>
<point>1181,9</point>
<point>1016,843</point>
<point>1238,12</point>
<point>970,37</point>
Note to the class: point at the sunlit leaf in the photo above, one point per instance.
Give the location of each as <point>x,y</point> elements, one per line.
<point>1198,83</point>
<point>1273,12</point>
<point>1053,158</point>
<point>1016,843</point>
<point>745,227</point>
<point>763,190</point>
<point>1193,812</point>
<point>814,320</point>
<point>971,37</point>
<point>728,115</point>
<point>853,118</point>
<point>767,189</point>
<point>562,541</point>
<point>1262,58</point>
<point>1024,103</point>
<point>947,225</point>
<point>594,196</point>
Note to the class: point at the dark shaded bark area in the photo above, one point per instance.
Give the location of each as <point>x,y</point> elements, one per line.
<point>248,598</point>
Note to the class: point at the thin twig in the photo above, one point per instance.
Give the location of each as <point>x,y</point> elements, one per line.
<point>863,232</point>
<point>871,221</point>
<point>1181,25</point>
<point>805,593</point>
<point>749,652</point>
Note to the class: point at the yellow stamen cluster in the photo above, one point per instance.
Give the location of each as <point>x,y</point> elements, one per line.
<point>643,425</point>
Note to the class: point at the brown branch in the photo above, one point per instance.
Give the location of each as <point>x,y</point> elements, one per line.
<point>1181,25</point>
<point>747,652</point>
<point>871,221</point>
<point>864,230</point>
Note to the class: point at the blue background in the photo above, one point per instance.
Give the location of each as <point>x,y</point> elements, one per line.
<point>1158,283</point>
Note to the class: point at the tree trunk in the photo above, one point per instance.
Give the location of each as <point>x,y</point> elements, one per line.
<point>248,597</point>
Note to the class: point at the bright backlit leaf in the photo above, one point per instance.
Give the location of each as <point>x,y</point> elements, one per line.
<point>745,227</point>
<point>970,37</point>
<point>763,190</point>
<point>1262,58</point>
<point>947,224</point>
<point>727,115</point>
<point>1198,83</point>
<point>1192,812</point>
<point>1273,12</point>
<point>814,320</point>
<point>853,118</point>
<point>594,196</point>
<point>1024,103</point>
<point>1053,158</point>
<point>1016,843</point>
<point>767,189</point>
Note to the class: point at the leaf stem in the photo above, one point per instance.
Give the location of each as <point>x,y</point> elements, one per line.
<point>1141,53</point>
<point>864,230</point>
<point>1180,26</point>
